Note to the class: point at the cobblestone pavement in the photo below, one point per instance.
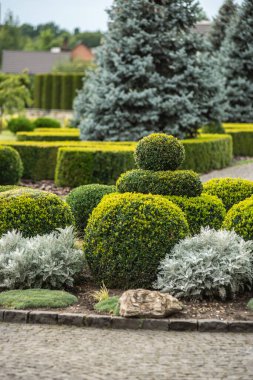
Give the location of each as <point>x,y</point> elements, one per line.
<point>54,352</point>
<point>243,171</point>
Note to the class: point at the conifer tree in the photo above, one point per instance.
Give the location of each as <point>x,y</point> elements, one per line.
<point>237,65</point>
<point>221,22</point>
<point>153,75</point>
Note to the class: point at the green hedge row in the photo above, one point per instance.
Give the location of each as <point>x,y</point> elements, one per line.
<point>242,141</point>
<point>39,158</point>
<point>56,91</point>
<point>74,135</point>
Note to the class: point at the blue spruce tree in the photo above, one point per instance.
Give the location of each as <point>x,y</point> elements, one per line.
<point>237,66</point>
<point>154,75</point>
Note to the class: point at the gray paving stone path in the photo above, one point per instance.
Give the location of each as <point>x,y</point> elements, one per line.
<point>58,353</point>
<point>239,171</point>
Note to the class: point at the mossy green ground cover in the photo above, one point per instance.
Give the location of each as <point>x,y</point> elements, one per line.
<point>109,305</point>
<point>36,298</point>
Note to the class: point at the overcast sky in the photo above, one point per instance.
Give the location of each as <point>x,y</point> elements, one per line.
<point>85,14</point>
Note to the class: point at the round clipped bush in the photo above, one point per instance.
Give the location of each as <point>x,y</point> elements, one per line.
<point>33,212</point>
<point>46,122</point>
<point>179,182</point>
<point>128,234</point>
<point>203,211</point>
<point>84,199</point>
<point>240,219</point>
<point>229,190</point>
<point>159,152</point>
<point>11,167</point>
<point>20,124</point>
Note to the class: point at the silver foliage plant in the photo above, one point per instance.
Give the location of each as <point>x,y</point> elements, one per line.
<point>212,264</point>
<point>48,261</point>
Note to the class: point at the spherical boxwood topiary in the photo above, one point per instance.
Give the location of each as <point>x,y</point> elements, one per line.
<point>11,167</point>
<point>240,219</point>
<point>203,211</point>
<point>84,199</point>
<point>33,212</point>
<point>229,190</point>
<point>128,234</point>
<point>179,182</point>
<point>158,152</point>
<point>46,122</point>
<point>20,124</point>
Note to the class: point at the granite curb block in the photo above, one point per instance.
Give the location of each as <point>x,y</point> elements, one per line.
<point>106,321</point>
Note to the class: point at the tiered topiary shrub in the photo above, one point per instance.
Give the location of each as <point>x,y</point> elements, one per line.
<point>33,212</point>
<point>229,190</point>
<point>11,167</point>
<point>240,219</point>
<point>84,199</point>
<point>128,234</point>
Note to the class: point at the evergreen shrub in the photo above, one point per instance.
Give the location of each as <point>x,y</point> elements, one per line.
<point>128,234</point>
<point>203,211</point>
<point>159,152</point>
<point>9,187</point>
<point>240,219</point>
<point>83,199</point>
<point>213,264</point>
<point>82,166</point>
<point>49,136</point>
<point>20,124</point>
<point>229,190</point>
<point>242,140</point>
<point>213,127</point>
<point>33,212</point>
<point>179,182</point>
<point>11,167</point>
<point>46,122</point>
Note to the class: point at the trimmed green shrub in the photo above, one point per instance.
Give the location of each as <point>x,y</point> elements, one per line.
<point>49,136</point>
<point>46,122</point>
<point>240,219</point>
<point>33,212</point>
<point>56,92</point>
<point>242,141</point>
<point>47,92</point>
<point>229,190</point>
<point>214,264</point>
<point>36,298</point>
<point>159,152</point>
<point>20,124</point>
<point>38,86</point>
<point>84,199</point>
<point>11,167</point>
<point>10,187</point>
<point>128,234</point>
<point>203,211</point>
<point>66,92</point>
<point>179,182</point>
<point>213,127</point>
<point>82,166</point>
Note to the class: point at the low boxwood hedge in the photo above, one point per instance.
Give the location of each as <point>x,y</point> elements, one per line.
<point>202,154</point>
<point>242,135</point>
<point>74,135</point>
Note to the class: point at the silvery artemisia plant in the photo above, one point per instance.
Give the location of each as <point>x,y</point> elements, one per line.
<point>154,74</point>
<point>214,264</point>
<point>48,261</point>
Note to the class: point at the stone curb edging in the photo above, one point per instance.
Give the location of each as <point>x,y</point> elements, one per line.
<point>106,321</point>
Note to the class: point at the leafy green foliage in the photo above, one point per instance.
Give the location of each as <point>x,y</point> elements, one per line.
<point>9,187</point>
<point>111,305</point>
<point>46,122</point>
<point>216,264</point>
<point>84,199</point>
<point>214,127</point>
<point>48,261</point>
<point>159,152</point>
<point>250,304</point>
<point>75,66</point>
<point>154,75</point>
<point>20,124</point>
<point>203,211</point>
<point>52,135</point>
<point>36,298</point>
<point>229,190</point>
<point>240,219</point>
<point>242,140</point>
<point>32,212</point>
<point>128,234</point>
<point>179,182</point>
<point>11,167</point>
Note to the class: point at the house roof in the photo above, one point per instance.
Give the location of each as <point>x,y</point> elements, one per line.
<point>35,62</point>
<point>203,27</point>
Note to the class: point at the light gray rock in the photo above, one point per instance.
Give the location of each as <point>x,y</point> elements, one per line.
<point>148,304</point>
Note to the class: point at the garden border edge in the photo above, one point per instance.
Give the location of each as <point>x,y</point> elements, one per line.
<point>107,321</point>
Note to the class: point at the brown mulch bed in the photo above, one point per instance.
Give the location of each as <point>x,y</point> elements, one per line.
<point>229,310</point>
<point>46,185</point>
